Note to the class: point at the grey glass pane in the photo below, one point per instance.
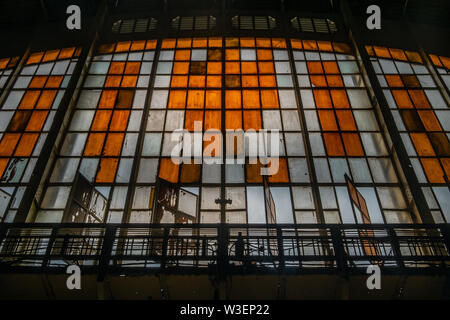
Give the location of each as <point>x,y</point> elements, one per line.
<point>280,55</point>
<point>147,170</point>
<point>164,68</point>
<point>64,170</point>
<point>284,81</point>
<point>294,144</point>
<point>360,170</point>
<point>298,170</point>
<point>327,197</point>
<point>88,99</point>
<point>22,82</point>
<point>124,170</point>
<point>237,197</point>
<point>282,67</point>
<point>382,170</point>
<point>94,81</point>
<point>322,171</point>
<point>348,67</point>
<point>166,55</point>
<point>287,98</point>
<point>99,68</point>
<point>198,55</point>
<point>81,120</point>
<point>234,173</point>
<point>88,168</point>
<point>13,100</point>
<point>159,99</point>
<point>55,198</point>
<point>358,98</point>
<point>209,196</point>
<point>256,205</point>
<point>139,99</point>
<point>152,144</point>
<point>73,144</point>
<point>365,120</point>
<point>45,68</point>
<point>162,81</point>
<point>338,169</point>
<point>155,120</point>
<point>303,198</point>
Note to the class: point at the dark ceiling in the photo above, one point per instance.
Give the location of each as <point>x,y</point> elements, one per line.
<point>30,12</point>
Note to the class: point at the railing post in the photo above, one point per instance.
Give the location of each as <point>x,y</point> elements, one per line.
<point>105,255</point>
<point>2,232</point>
<point>396,247</point>
<point>49,248</point>
<point>280,248</point>
<point>222,250</point>
<point>339,250</point>
<point>165,245</point>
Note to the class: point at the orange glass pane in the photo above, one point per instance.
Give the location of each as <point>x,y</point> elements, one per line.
<point>435,59</point>
<point>8,143</point>
<point>196,99</point>
<point>250,81</point>
<point>322,98</point>
<point>233,119</point>
<point>346,120</point>
<point>180,67</point>
<point>310,45</point>
<point>318,81</point>
<point>214,68</point>
<point>113,144</point>
<point>296,44</point>
<point>264,54</point>
<point>137,45</point>
<point>278,43</point>
<point>334,81</point>
<point>46,99</point>
<point>132,67</point>
<point>168,43</point>
<point>370,51</point>
<point>107,170</point>
<point>325,46</point>
<point>342,47</point>
<point>398,54</point>
<point>445,61</point>
<point>129,81</point>
<point>123,46</point>
<point>339,98</point>
<point>446,164</point>
<point>267,81</point>
<point>3,165</point>
<point>266,67</point>
<point>250,98</point>
<point>213,120</point>
<point>26,144</point>
<point>252,120</point>
<point>94,145</point>
<point>113,81</point>
<point>116,68</point>
<point>263,43</point>
<point>402,99</point>
<point>411,81</point>
<point>327,120</point>
<point>151,44</point>
<point>197,81</point>
<point>101,120</point>
<point>232,67</point>
<point>441,143</point>
<point>381,52</point>
<point>38,82</point>
<point>333,144</point>
<point>3,64</point>
<point>119,120</point>
<point>37,121</point>
<point>184,42</point>
<point>253,173</point>
<point>414,56</point>
<point>269,98</point>
<point>105,48</point>
<point>352,145</point>
<point>124,99</point>
<point>177,98</point>
<point>108,99</point>
<point>35,57</point>
<point>247,42</point>
<point>433,170</point>
<point>179,81</point>
<point>232,54</point>
<point>168,170</point>
<point>394,80</point>
<point>215,42</point>
<point>282,175</point>
<point>19,121</point>
<point>249,67</point>
<point>190,173</point>
<point>232,81</point>
<point>29,99</point>
<point>422,144</point>
<point>429,120</point>
<point>50,55</point>
<point>191,118</point>
<point>330,67</point>
<point>232,42</point>
<point>419,99</point>
<point>213,99</point>
<point>233,99</point>
<point>182,55</point>
<point>314,67</point>
<point>214,81</point>
<point>200,43</point>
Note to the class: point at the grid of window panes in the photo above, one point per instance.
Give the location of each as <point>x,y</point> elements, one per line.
<point>7,66</point>
<point>345,136</point>
<point>26,117</point>
<point>442,65</point>
<point>228,84</point>
<point>100,142</point>
<point>422,118</point>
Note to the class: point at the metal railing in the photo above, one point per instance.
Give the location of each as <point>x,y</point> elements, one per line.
<point>223,248</point>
